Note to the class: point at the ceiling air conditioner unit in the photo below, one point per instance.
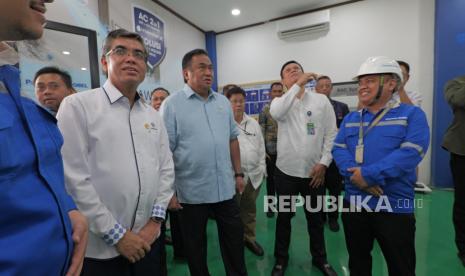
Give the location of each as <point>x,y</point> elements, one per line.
<point>303,25</point>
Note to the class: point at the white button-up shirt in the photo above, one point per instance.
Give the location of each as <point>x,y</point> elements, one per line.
<point>252,148</point>
<point>414,96</point>
<point>117,162</point>
<point>306,130</point>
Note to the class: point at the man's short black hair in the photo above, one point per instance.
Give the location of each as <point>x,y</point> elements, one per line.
<point>186,60</point>
<point>121,33</point>
<point>228,87</point>
<point>286,64</point>
<point>159,88</point>
<point>65,76</point>
<point>405,64</point>
<point>276,83</point>
<point>235,90</point>
<point>323,77</point>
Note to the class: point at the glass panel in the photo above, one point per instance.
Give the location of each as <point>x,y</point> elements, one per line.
<point>67,51</point>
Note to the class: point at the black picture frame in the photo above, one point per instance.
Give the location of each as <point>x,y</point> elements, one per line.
<point>92,46</point>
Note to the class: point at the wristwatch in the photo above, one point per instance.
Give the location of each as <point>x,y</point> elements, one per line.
<point>239,175</point>
<point>157,220</point>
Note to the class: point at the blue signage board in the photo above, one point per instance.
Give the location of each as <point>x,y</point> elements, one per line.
<point>265,94</point>
<point>247,108</point>
<point>256,99</point>
<point>152,29</point>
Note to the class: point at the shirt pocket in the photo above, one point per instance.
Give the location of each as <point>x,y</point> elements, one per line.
<point>6,120</point>
<point>153,144</point>
<point>351,135</point>
<point>392,136</point>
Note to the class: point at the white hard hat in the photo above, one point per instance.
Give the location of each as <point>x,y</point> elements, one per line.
<point>379,65</point>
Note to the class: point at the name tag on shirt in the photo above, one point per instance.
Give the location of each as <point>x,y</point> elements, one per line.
<point>310,129</point>
<point>359,154</point>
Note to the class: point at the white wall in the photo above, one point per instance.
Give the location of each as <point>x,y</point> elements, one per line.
<point>81,13</point>
<point>180,38</point>
<point>394,28</point>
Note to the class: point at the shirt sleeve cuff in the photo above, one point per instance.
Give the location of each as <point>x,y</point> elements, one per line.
<point>371,177</point>
<point>69,203</point>
<point>158,211</point>
<point>325,160</point>
<point>234,134</point>
<point>115,234</point>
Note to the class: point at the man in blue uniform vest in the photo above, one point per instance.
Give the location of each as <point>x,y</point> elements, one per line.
<point>377,150</point>
<point>41,233</point>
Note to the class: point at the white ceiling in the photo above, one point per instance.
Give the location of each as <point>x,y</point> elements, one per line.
<point>215,15</point>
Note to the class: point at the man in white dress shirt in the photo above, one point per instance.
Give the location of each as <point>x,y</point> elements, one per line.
<point>118,165</point>
<point>407,96</point>
<point>252,148</point>
<point>306,130</point>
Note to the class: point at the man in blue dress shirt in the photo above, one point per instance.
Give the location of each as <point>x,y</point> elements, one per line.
<point>41,233</point>
<point>203,139</point>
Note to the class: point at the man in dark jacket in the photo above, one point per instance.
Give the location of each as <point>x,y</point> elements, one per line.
<point>333,180</point>
<point>453,142</point>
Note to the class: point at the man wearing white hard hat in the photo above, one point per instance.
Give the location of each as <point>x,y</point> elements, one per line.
<point>377,150</point>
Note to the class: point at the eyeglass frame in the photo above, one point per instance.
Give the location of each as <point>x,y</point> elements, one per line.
<point>50,86</point>
<point>125,52</point>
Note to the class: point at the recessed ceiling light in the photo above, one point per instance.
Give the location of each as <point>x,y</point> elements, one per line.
<point>66,53</point>
<point>236,12</point>
<point>83,68</point>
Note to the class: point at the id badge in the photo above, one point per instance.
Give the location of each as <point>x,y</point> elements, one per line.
<point>310,128</point>
<point>359,154</point>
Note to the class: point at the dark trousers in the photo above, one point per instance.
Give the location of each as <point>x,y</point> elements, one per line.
<point>395,234</point>
<point>150,265</point>
<point>194,217</point>
<point>176,235</point>
<point>457,165</point>
<point>270,169</point>
<point>333,182</point>
<point>291,186</point>
<point>163,265</point>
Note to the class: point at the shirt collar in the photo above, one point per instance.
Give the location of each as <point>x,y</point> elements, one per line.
<point>9,56</point>
<point>392,102</point>
<point>245,118</point>
<point>189,92</point>
<point>113,93</point>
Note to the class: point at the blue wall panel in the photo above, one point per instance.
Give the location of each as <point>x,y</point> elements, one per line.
<point>449,63</point>
<point>210,43</point>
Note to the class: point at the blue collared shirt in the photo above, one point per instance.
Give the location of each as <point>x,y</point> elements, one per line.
<point>392,151</point>
<point>35,232</point>
<point>200,132</point>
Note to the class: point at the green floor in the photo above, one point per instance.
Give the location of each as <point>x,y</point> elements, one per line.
<point>435,248</point>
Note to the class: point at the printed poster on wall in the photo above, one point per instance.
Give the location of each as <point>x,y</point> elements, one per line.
<point>152,29</point>
<point>258,94</point>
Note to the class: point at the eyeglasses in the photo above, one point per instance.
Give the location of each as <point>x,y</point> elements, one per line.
<point>121,51</point>
<point>51,86</point>
<point>234,102</point>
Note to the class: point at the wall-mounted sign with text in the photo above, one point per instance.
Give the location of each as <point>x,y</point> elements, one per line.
<point>258,94</point>
<point>152,29</point>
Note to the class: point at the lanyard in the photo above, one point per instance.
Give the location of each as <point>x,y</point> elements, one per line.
<point>244,130</point>
<point>373,123</point>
